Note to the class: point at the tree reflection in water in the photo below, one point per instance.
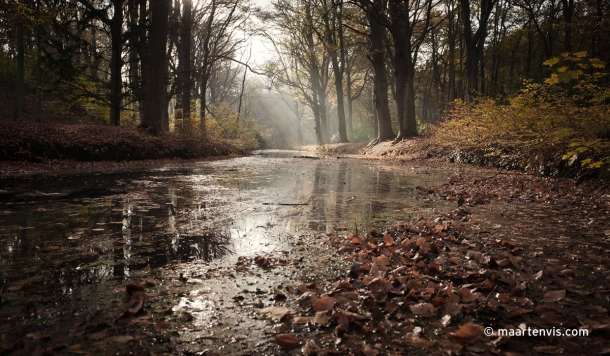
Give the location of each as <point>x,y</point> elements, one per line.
<point>205,245</point>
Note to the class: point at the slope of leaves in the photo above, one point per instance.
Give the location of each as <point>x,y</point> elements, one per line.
<point>38,142</point>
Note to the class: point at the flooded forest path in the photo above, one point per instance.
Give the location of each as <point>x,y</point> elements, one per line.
<point>205,258</point>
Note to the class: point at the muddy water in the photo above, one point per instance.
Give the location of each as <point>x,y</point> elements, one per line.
<point>69,244</point>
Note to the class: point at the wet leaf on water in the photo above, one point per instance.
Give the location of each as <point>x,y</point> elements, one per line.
<point>324,303</point>
<point>287,341</point>
<point>277,313</point>
<point>467,334</point>
<point>554,296</point>
<point>423,309</point>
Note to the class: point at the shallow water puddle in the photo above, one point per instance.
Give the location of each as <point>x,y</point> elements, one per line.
<point>69,245</point>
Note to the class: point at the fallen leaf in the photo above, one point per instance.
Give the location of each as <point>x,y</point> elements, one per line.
<point>554,296</point>
<point>324,303</point>
<point>276,312</point>
<point>423,309</point>
<point>321,318</point>
<point>306,299</point>
<point>388,240</point>
<point>310,348</point>
<point>136,297</point>
<point>466,296</point>
<point>467,334</point>
<point>287,341</point>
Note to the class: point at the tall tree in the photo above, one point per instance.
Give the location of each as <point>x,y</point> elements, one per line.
<point>157,67</point>
<point>475,42</point>
<point>380,78</point>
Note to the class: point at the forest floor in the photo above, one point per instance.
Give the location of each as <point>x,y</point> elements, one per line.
<point>444,283</point>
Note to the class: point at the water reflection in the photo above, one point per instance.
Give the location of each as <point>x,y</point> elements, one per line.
<point>212,212</point>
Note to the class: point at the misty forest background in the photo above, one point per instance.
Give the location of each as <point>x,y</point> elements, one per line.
<point>512,74</point>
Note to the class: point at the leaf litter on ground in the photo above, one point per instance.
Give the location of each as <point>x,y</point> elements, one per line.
<point>435,285</point>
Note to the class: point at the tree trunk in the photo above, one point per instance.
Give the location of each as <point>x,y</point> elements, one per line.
<point>116,63</point>
<point>20,72</point>
<point>157,66</point>
<point>568,10</point>
<point>475,42</point>
<point>380,81</point>
<point>185,85</point>
<point>333,45</point>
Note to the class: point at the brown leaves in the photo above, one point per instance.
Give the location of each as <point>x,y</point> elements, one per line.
<point>324,303</point>
<point>287,341</point>
<point>136,297</point>
<point>467,334</point>
<point>554,296</point>
<point>423,309</point>
<point>277,313</point>
<point>135,293</point>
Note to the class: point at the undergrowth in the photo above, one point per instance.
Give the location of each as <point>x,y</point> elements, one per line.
<point>559,127</point>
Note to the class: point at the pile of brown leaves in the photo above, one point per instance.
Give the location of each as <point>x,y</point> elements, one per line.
<point>432,287</point>
<point>35,142</point>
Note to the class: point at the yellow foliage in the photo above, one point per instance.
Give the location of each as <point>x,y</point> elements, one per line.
<point>567,113</point>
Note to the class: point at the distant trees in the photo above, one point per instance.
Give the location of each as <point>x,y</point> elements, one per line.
<point>424,54</point>
<point>362,68</point>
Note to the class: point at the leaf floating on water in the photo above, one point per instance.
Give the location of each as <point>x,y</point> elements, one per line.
<point>467,334</point>
<point>287,341</point>
<point>324,303</point>
<point>554,296</point>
